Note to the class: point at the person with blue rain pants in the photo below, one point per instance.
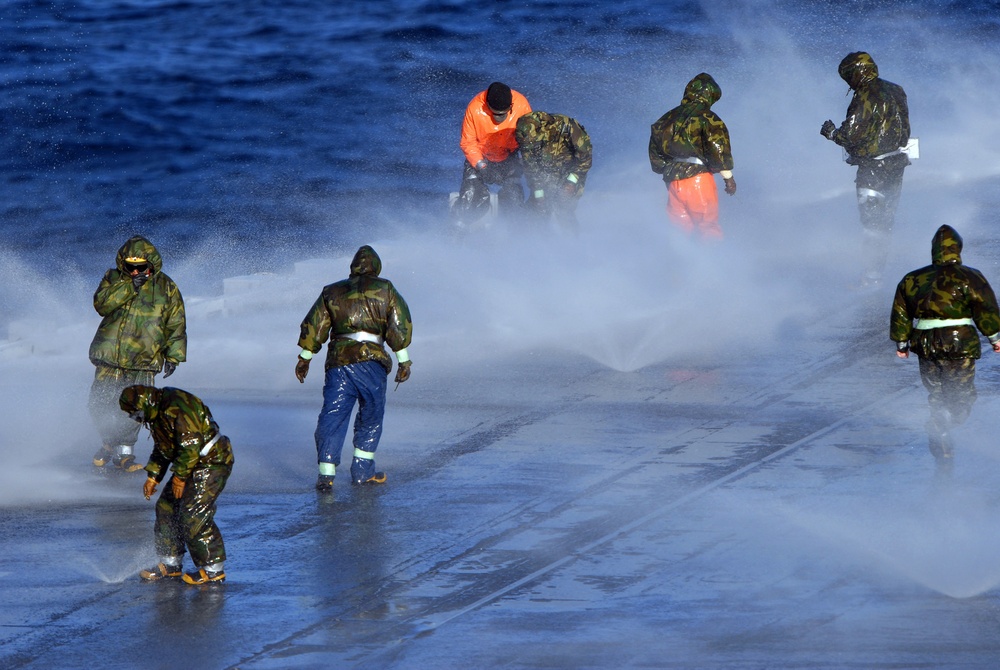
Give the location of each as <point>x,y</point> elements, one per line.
<point>357,315</point>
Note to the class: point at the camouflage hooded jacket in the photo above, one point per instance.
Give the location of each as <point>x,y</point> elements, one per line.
<point>691,130</point>
<point>553,146</point>
<point>364,302</point>
<point>946,289</point>
<point>181,426</point>
<point>878,120</point>
<point>139,329</point>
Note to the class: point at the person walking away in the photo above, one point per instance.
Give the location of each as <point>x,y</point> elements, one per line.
<point>936,312</point>
<point>356,316</point>
<point>557,155</point>
<point>490,154</point>
<point>187,440</point>
<point>874,135</point>
<point>143,330</point>
<point>688,145</point>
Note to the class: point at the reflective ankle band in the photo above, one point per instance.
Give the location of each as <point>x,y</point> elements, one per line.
<point>305,354</point>
<point>540,193</point>
<point>366,455</point>
<point>361,336</point>
<point>402,356</point>
<point>927,324</point>
<point>208,445</point>
<point>328,469</point>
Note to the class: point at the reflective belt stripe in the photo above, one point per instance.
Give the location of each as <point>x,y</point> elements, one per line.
<point>208,445</point>
<point>891,153</point>
<point>869,193</point>
<point>361,336</point>
<point>366,455</point>
<point>927,324</point>
<point>694,160</point>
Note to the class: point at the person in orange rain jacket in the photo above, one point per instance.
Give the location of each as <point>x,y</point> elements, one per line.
<point>490,153</point>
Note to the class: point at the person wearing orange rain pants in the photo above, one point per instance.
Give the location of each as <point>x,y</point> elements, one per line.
<point>687,145</point>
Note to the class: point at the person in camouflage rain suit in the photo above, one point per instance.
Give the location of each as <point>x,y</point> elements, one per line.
<point>935,314</point>
<point>874,135</point>
<point>187,439</point>
<point>556,154</point>
<point>357,314</point>
<point>687,145</point>
<point>142,331</point>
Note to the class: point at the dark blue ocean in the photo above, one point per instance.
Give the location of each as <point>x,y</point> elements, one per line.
<point>288,128</point>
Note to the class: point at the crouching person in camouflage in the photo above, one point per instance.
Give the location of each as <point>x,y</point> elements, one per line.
<point>935,314</point>
<point>143,330</point>
<point>357,314</point>
<point>556,154</point>
<point>187,438</point>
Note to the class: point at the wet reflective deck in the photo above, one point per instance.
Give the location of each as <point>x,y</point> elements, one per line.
<point>755,509</point>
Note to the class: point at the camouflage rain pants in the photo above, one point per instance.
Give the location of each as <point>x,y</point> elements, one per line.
<point>114,426</point>
<point>879,185</point>
<point>189,523</point>
<point>951,392</point>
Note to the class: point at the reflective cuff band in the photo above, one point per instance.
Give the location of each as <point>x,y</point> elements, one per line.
<point>364,455</point>
<point>726,174</point>
<point>360,336</point>
<point>328,469</point>
<point>305,354</point>
<point>539,193</point>
<point>402,356</point>
<point>927,324</point>
<point>994,338</point>
<point>208,445</point>
<point>573,178</point>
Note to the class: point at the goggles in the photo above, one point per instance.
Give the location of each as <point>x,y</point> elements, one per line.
<point>136,268</point>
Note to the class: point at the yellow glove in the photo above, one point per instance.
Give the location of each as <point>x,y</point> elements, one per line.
<point>177,485</point>
<point>149,488</point>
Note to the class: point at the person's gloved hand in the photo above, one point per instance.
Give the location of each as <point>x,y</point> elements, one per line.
<point>168,368</point>
<point>149,488</point>
<point>481,165</point>
<point>402,372</point>
<point>138,280</point>
<point>827,129</point>
<point>178,487</point>
<point>569,189</point>
<point>730,185</point>
<point>301,369</point>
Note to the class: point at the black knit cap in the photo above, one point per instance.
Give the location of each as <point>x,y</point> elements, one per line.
<point>498,97</point>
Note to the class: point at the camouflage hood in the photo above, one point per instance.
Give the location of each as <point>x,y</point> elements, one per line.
<point>702,89</point>
<point>139,247</point>
<point>144,399</point>
<point>858,69</point>
<point>366,262</point>
<point>946,247</point>
<point>530,126</point>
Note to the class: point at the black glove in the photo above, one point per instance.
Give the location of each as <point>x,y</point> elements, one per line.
<point>402,372</point>
<point>301,369</point>
<point>828,129</point>
<point>730,185</point>
<point>139,280</point>
<point>168,368</point>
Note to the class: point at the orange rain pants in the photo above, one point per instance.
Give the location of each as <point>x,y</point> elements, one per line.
<point>693,205</point>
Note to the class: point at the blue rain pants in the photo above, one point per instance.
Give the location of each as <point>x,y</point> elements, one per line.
<point>364,383</point>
